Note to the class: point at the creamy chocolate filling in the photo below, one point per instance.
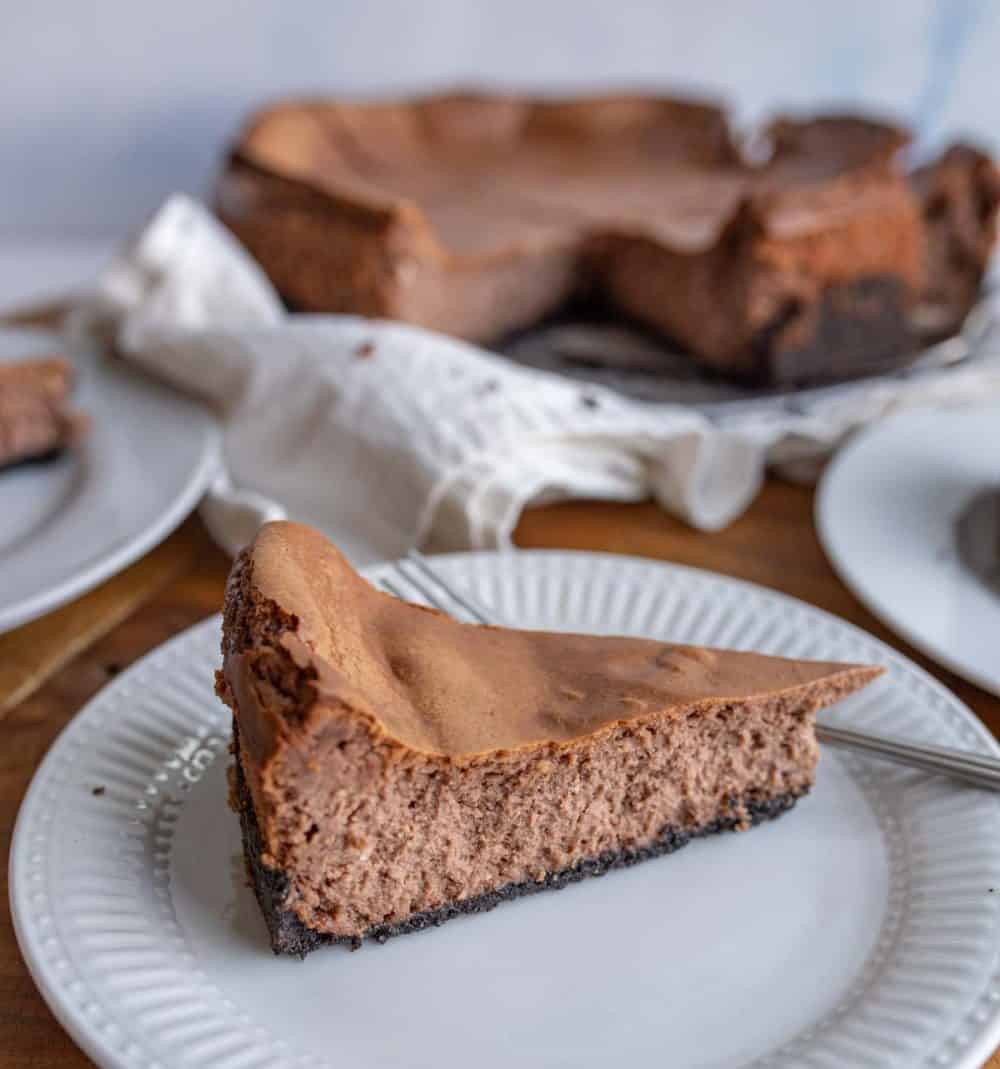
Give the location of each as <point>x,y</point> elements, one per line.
<point>369,836</point>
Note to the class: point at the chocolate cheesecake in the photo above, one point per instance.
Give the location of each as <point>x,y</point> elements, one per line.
<point>394,768</point>
<point>36,419</point>
<point>480,216</point>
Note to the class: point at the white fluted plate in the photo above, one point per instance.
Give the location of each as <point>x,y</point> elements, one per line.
<point>862,928</point>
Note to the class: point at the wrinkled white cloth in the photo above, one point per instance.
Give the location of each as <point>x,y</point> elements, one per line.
<point>386,436</point>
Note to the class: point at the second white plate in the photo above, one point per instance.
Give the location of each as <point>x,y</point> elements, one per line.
<point>69,523</point>
<point>862,928</point>
<point>887,514</point>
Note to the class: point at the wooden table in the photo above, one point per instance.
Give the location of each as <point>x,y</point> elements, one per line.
<point>49,668</point>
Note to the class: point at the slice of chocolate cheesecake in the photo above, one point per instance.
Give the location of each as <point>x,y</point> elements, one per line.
<point>394,767</point>
<point>36,420</point>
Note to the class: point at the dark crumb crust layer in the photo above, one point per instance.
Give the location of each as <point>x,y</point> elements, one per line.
<point>35,460</point>
<point>290,936</point>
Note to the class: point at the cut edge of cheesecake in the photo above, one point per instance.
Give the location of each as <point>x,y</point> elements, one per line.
<point>395,767</point>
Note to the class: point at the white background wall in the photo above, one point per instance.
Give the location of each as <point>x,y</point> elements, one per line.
<point>107,105</point>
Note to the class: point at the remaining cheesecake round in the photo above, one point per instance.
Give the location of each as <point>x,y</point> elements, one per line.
<point>481,215</point>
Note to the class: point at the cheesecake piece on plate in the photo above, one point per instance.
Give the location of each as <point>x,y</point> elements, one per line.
<point>394,767</point>
<point>36,420</point>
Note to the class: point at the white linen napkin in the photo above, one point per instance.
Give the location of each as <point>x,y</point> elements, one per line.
<point>387,436</point>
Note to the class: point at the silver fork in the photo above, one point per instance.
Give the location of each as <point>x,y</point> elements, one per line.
<point>416,571</point>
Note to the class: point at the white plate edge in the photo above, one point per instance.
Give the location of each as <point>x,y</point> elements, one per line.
<point>106,567</point>
<point>875,605</point>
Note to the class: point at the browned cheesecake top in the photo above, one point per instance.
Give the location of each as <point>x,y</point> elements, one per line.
<point>482,174</point>
<point>443,687</point>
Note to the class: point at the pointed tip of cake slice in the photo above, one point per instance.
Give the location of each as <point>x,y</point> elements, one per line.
<point>843,680</point>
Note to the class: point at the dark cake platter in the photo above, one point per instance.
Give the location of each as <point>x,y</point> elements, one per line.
<point>640,366</point>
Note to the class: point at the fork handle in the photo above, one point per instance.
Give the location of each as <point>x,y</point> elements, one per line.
<point>977,769</point>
